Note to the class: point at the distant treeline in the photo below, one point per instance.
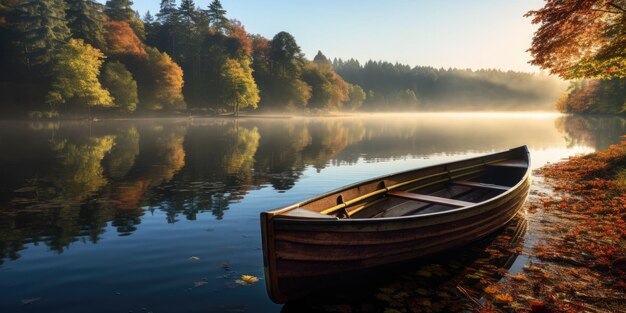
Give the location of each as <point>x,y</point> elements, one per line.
<point>77,56</point>
<point>399,87</point>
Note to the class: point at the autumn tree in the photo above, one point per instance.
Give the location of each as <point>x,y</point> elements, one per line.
<point>594,96</point>
<point>165,91</point>
<point>329,90</point>
<point>119,81</point>
<point>240,90</point>
<point>76,70</point>
<point>122,40</point>
<point>581,39</point>
<point>278,67</point>
<point>356,97</point>
<point>238,32</point>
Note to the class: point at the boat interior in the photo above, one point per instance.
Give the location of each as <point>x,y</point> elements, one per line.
<point>436,193</point>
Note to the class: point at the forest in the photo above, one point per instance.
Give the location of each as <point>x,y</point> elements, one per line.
<point>77,56</point>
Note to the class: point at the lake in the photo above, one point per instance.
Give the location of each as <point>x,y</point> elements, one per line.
<point>162,215</point>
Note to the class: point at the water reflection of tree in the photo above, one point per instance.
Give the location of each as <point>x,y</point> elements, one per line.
<point>596,131</point>
<point>75,194</point>
<point>74,178</point>
<point>218,171</point>
<point>286,149</point>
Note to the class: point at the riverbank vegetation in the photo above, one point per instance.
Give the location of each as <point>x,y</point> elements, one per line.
<point>579,262</point>
<point>73,57</point>
<point>593,56</point>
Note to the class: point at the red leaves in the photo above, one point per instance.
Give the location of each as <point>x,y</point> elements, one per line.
<point>121,39</point>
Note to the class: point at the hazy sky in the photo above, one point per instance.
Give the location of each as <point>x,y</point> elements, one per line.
<point>440,33</point>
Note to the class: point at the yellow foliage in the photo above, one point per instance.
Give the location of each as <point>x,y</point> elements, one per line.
<point>76,70</point>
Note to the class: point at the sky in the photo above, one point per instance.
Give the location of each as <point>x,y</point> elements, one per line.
<point>440,33</point>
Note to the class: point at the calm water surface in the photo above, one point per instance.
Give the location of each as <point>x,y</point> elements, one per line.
<point>162,215</point>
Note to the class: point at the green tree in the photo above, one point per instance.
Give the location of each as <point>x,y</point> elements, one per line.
<point>120,10</point>
<point>240,90</point>
<point>76,69</point>
<point>321,59</point>
<point>86,20</point>
<point>41,27</point>
<point>286,55</point>
<point>356,97</point>
<point>120,83</point>
<point>217,16</point>
<point>164,37</point>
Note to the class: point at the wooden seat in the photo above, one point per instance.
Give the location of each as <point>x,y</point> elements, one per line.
<point>429,199</point>
<point>480,185</point>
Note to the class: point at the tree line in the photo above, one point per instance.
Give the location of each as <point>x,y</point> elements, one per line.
<point>76,56</point>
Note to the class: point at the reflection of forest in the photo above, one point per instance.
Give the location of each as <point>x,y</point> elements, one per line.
<point>593,131</point>
<point>73,179</point>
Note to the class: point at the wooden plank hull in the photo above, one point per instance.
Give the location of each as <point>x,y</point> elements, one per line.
<point>299,250</point>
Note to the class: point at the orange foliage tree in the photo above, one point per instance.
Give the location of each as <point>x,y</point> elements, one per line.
<point>238,32</point>
<point>167,92</point>
<point>581,38</point>
<point>122,40</point>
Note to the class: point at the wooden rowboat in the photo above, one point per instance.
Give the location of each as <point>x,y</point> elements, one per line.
<point>391,219</point>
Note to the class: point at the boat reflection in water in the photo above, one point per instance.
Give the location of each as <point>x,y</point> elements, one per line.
<point>452,281</point>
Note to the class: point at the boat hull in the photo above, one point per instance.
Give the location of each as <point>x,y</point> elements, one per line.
<point>297,251</point>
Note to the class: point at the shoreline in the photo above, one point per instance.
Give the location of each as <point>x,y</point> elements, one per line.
<point>477,114</point>
<point>577,250</point>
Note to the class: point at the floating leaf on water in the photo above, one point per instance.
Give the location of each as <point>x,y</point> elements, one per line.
<point>247,280</point>
<point>31,300</point>
<point>194,258</point>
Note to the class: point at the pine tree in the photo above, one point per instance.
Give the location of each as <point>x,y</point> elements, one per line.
<point>41,26</point>
<point>168,18</point>
<point>86,20</point>
<point>148,18</point>
<point>217,16</point>
<point>120,10</point>
<point>167,13</point>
